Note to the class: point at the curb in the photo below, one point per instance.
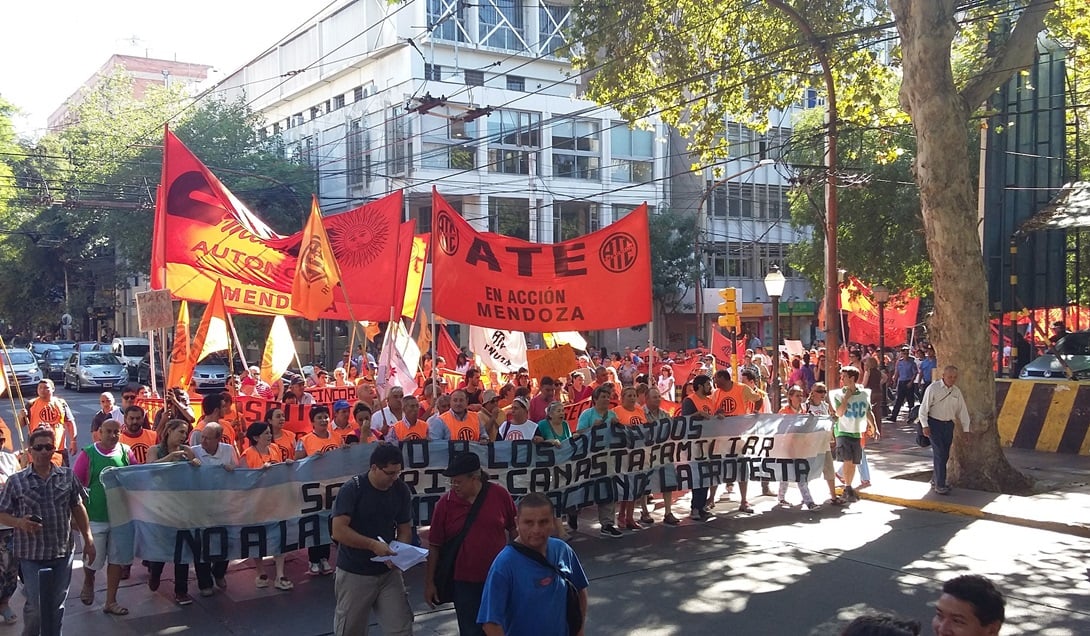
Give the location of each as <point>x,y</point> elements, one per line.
<point>1073,529</point>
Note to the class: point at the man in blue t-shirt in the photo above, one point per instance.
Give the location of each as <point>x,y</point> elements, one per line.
<point>369,509</point>
<point>524,596</point>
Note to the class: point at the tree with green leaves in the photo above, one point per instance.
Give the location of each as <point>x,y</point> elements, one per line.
<point>697,63</point>
<point>673,263</point>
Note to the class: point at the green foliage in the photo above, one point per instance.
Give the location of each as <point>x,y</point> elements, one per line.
<point>673,262</point>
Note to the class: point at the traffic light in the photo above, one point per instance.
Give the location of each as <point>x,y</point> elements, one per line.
<point>729,308</point>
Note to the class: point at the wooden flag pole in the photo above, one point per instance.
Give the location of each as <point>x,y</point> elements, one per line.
<point>19,390</point>
<point>238,343</point>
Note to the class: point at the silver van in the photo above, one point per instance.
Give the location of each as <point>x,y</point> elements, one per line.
<point>130,351</point>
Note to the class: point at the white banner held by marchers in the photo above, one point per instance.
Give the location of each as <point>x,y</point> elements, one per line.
<point>503,351</point>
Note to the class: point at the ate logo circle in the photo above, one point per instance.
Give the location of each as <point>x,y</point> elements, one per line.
<point>446,232</point>
<point>619,252</point>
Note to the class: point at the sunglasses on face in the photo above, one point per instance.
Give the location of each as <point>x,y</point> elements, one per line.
<point>129,396</point>
<point>43,447</point>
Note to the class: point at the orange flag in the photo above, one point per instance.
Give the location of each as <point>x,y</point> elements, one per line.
<point>212,332</point>
<point>180,370</point>
<point>316,273</point>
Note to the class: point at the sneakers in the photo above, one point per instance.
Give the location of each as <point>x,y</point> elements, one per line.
<point>783,503</point>
<point>849,494</point>
<point>154,578</point>
<point>648,519</point>
<point>284,584</point>
<point>314,570</point>
<point>609,530</point>
<point>206,592</point>
<point>810,505</point>
<point>671,520</point>
<point>325,567</point>
<point>700,515</point>
<point>221,582</point>
<point>183,599</point>
<point>942,490</point>
<point>262,581</point>
<point>632,525</point>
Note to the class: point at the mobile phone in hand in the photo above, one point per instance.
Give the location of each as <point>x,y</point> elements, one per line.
<point>35,518</point>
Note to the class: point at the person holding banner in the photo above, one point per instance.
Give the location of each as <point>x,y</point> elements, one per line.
<point>298,388</point>
<point>172,448</point>
<point>460,423</point>
<point>484,536</point>
<point>369,507</point>
<point>213,452</point>
<point>519,425</point>
<point>341,425</point>
<point>554,428</point>
<point>259,455</point>
<point>700,405</point>
<point>654,413</point>
<point>629,413</point>
<point>411,427</point>
<point>361,413</point>
<point>318,441</point>
<point>282,439</point>
<point>795,407</point>
<point>600,415</point>
<point>391,414</point>
<point>212,408</point>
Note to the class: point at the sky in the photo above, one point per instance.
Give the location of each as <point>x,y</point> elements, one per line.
<point>50,47</point>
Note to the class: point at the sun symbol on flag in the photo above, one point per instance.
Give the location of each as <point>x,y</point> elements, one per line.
<point>357,241</point>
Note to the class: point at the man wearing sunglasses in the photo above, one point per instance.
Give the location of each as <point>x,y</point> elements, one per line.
<point>42,503</point>
<point>52,413</point>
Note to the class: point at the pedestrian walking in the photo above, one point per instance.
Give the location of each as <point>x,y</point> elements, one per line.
<point>942,404</point>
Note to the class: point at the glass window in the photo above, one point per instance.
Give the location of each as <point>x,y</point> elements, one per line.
<point>397,141</point>
<point>514,139</point>
<point>621,210</point>
<point>474,78</point>
<point>572,219</point>
<point>553,20</point>
<point>359,153</point>
<point>447,143</point>
<point>509,217</point>
<point>632,154</point>
<point>576,149</point>
<point>433,72</point>
<point>501,24</point>
<point>516,83</point>
<point>446,19</point>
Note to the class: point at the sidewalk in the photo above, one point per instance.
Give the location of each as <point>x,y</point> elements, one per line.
<point>1061,505</point>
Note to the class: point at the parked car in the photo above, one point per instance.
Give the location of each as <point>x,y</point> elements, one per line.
<point>39,349</point>
<point>52,365</point>
<point>209,375</point>
<point>21,367</point>
<point>130,351</point>
<point>1073,349</point>
<point>90,346</point>
<point>94,369</point>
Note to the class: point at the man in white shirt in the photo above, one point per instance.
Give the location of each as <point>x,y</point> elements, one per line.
<point>941,405</point>
<point>391,414</point>
<point>213,452</point>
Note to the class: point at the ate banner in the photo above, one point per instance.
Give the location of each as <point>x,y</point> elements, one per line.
<point>598,281</point>
<point>169,512</point>
<point>203,233</point>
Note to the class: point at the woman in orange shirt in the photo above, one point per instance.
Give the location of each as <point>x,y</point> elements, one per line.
<point>795,397</point>
<point>281,438</point>
<point>629,413</point>
<point>260,454</point>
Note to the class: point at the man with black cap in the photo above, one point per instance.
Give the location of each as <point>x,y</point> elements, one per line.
<point>486,536</point>
<point>298,388</point>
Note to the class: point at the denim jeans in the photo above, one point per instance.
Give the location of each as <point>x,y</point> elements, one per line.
<point>942,438</point>
<point>467,604</point>
<point>32,613</point>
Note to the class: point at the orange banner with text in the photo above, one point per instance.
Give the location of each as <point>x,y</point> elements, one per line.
<point>598,281</point>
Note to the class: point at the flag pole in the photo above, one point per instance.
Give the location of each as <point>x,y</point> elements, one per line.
<point>238,343</point>
<point>434,356</point>
<point>19,391</point>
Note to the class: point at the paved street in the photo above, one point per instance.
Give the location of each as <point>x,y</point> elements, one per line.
<point>777,572</point>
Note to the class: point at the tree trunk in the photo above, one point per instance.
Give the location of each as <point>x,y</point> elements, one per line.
<point>959,327</point>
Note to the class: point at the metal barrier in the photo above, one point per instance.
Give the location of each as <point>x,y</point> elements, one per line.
<point>1044,416</point>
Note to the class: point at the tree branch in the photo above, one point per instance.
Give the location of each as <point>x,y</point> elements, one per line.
<point>1015,54</point>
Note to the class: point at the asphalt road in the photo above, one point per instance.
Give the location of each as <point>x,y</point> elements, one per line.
<point>84,406</point>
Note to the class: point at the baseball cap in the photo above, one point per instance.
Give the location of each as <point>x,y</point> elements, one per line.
<point>298,381</point>
<point>488,396</point>
<point>522,401</point>
<point>341,405</point>
<point>462,464</point>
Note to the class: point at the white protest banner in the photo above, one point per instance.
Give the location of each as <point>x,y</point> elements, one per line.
<point>503,351</point>
<point>168,512</point>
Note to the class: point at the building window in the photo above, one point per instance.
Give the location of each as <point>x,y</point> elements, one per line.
<point>397,141</point>
<point>357,94</point>
<point>338,102</point>
<point>734,200</point>
<point>740,260</point>
<point>501,24</point>
<point>633,154</point>
<point>770,254</point>
<point>305,152</point>
<point>433,72</point>
<point>359,153</point>
<point>474,78</point>
<point>447,20</point>
<point>448,144</point>
<point>621,210</point>
<point>576,152</point>
<point>572,219</point>
<point>514,140</point>
<point>509,217</point>
<point>297,119</point>
<point>423,220</point>
<point>553,20</point>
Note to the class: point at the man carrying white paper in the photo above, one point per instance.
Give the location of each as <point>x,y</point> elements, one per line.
<point>368,507</point>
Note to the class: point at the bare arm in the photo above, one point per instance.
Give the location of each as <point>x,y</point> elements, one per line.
<point>492,629</point>
<point>344,534</point>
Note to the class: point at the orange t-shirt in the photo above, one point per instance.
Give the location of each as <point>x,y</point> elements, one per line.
<point>416,431</point>
<point>634,417</point>
<point>703,404</point>
<point>468,429</point>
<point>286,444</point>
<point>229,435</point>
<point>314,445</point>
<point>341,432</point>
<point>731,401</point>
<point>139,444</point>
<point>254,459</point>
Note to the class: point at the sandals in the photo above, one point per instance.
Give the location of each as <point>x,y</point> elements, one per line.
<point>87,593</point>
<point>745,507</point>
<point>838,501</point>
<point>648,519</point>
<point>9,616</point>
<point>115,609</point>
<point>671,520</point>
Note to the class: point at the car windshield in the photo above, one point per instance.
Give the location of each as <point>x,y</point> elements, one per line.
<point>1075,344</point>
<point>19,357</point>
<point>56,356</point>
<point>135,350</point>
<point>100,358</point>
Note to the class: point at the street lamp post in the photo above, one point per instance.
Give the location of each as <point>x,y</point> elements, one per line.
<point>791,318</point>
<point>881,296</point>
<point>699,282</point>
<point>774,282</point>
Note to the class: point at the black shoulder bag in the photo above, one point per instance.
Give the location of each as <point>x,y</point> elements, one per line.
<point>574,609</point>
<point>448,552</point>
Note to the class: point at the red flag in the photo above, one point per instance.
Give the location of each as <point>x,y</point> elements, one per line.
<point>598,281</point>
<point>214,237</point>
<point>721,347</point>
<point>445,347</point>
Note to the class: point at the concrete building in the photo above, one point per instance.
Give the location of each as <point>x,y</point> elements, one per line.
<point>468,97</point>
